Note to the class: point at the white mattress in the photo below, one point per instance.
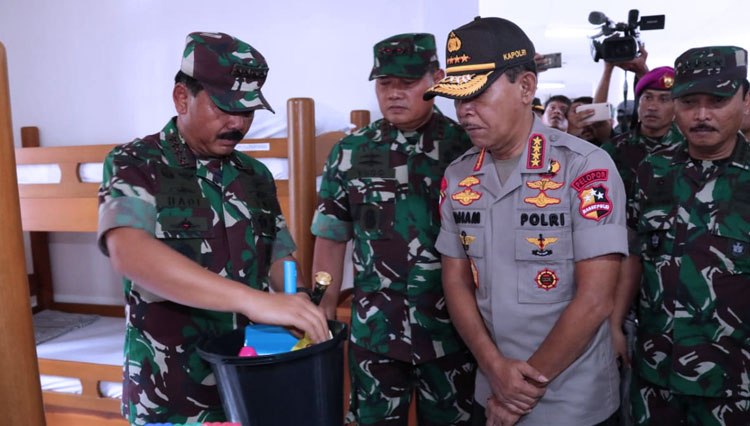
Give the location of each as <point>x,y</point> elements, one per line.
<point>101,342</point>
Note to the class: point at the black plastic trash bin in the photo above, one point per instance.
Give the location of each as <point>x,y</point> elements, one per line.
<point>300,388</point>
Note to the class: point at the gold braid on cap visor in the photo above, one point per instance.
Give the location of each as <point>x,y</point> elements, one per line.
<point>460,85</point>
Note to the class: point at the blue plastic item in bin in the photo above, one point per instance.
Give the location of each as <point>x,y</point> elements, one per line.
<point>269,339</point>
<point>300,388</point>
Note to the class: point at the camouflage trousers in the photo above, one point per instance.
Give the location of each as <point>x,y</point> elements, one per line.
<point>656,406</point>
<point>381,389</point>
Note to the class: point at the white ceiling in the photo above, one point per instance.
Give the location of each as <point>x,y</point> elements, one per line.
<point>688,24</point>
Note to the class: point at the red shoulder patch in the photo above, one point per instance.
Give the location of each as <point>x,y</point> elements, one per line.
<point>596,175</point>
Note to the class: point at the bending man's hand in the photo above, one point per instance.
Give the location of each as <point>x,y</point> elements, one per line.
<point>508,380</point>
<point>289,310</point>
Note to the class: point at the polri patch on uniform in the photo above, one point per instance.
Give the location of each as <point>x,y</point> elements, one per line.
<point>535,159</point>
<point>466,197</point>
<point>541,243</point>
<point>582,181</point>
<point>542,199</point>
<point>594,202</point>
<point>546,279</point>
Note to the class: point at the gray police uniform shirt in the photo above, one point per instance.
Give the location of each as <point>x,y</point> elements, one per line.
<point>564,203</point>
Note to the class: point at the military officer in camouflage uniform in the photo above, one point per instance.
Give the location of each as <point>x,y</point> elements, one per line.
<point>692,215</point>
<point>656,130</point>
<point>196,229</point>
<point>532,234</point>
<point>380,189</point>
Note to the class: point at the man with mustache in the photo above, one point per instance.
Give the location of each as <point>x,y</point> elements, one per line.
<point>196,230</point>
<point>556,112</point>
<point>529,283</point>
<point>381,188</point>
<point>656,130</point>
<point>691,212</point>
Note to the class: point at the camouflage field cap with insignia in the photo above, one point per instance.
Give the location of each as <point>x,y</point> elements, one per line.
<point>715,70</point>
<point>405,55</point>
<point>230,70</point>
<point>478,53</point>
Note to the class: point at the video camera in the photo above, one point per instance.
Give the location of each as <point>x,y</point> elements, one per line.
<point>622,47</point>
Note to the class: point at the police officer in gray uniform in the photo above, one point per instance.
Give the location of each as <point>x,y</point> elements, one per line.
<point>532,234</point>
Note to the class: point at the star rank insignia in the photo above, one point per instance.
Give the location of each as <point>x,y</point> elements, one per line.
<point>535,158</point>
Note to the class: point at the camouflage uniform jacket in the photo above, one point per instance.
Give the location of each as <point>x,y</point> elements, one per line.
<point>629,149</point>
<point>381,187</point>
<point>220,212</point>
<point>693,224</point>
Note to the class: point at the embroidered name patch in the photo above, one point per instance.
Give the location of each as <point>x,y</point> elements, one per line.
<point>470,218</point>
<point>594,202</point>
<point>543,219</point>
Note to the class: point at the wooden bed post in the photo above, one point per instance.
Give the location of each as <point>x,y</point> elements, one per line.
<point>360,118</point>
<point>302,194</point>
<point>20,390</point>
<point>39,241</point>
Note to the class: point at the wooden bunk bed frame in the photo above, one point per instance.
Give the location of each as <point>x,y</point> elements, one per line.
<point>72,206</point>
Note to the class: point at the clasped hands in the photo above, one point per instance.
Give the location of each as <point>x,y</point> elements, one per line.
<point>516,388</point>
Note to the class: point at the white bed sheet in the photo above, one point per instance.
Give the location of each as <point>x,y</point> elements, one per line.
<point>101,342</point>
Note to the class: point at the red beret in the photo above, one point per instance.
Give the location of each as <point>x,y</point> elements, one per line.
<point>661,78</point>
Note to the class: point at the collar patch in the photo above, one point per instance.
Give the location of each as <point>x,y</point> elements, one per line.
<point>480,160</point>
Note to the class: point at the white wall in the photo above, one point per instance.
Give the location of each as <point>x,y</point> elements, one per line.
<point>101,71</point>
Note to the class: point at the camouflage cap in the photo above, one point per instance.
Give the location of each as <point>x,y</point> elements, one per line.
<point>478,53</point>
<point>405,55</point>
<point>715,70</point>
<point>230,70</point>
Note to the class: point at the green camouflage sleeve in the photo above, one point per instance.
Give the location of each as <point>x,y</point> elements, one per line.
<point>283,244</point>
<point>125,197</point>
<point>635,208</point>
<point>332,218</point>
